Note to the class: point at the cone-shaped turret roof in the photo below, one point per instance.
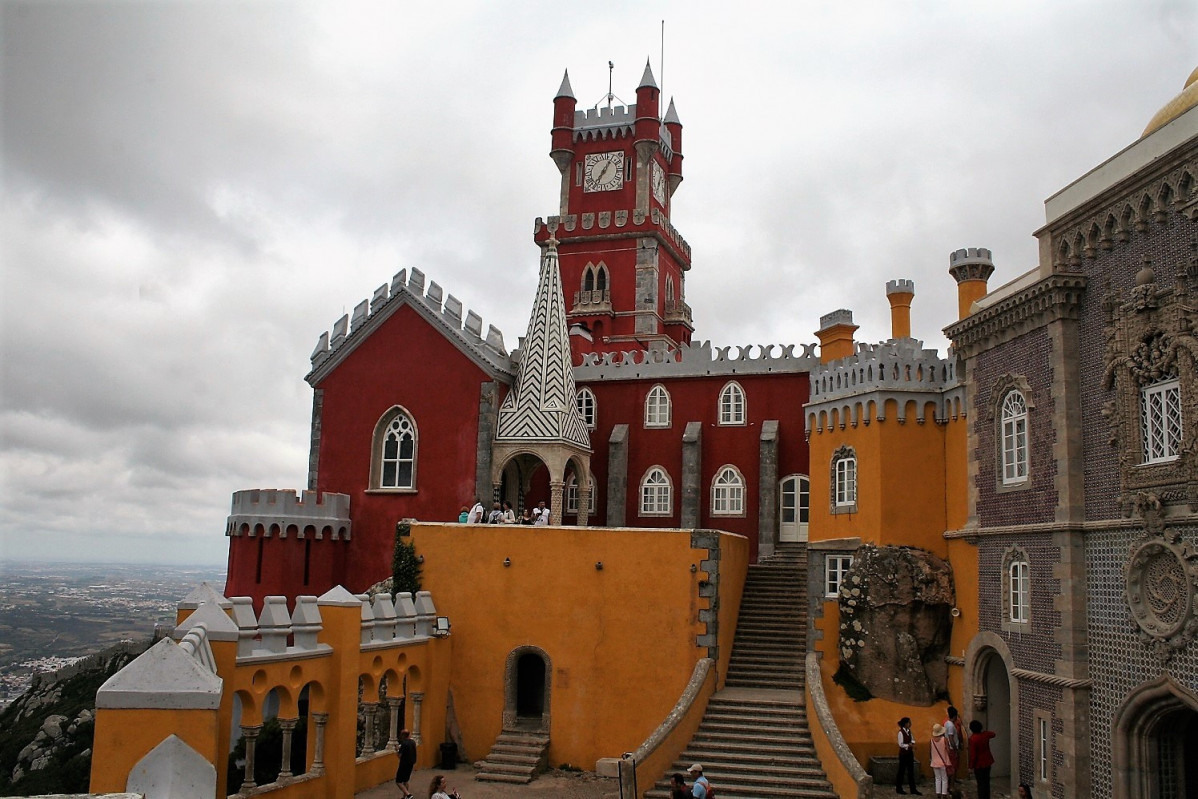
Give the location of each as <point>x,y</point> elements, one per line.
<point>565,90</point>
<point>541,406</point>
<point>647,78</point>
<point>672,115</point>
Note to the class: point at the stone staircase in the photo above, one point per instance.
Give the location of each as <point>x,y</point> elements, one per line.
<point>517,756</point>
<point>754,741</point>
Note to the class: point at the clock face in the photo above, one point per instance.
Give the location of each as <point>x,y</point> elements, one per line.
<point>659,184</point>
<point>603,171</point>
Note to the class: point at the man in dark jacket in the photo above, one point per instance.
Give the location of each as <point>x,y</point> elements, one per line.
<point>407,761</point>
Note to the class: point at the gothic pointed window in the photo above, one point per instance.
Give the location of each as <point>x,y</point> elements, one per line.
<point>585,399</point>
<point>1160,420</point>
<point>395,445</point>
<point>588,279</point>
<point>657,493</point>
<point>728,492</point>
<point>732,405</point>
<point>669,292</point>
<point>601,278</point>
<point>1014,438</point>
<point>657,407</point>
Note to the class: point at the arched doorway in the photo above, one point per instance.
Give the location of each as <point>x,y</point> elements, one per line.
<point>997,691</point>
<point>1155,746</point>
<point>526,682</point>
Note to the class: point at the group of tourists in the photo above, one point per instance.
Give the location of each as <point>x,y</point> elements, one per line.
<point>699,788</point>
<point>502,513</point>
<point>946,745</point>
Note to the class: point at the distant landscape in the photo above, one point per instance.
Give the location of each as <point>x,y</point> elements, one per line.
<point>53,613</point>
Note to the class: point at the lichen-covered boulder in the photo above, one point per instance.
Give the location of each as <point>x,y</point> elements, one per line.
<point>896,621</point>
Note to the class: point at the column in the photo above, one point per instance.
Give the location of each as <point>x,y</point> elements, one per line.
<point>691,488</point>
<point>371,709</point>
<point>417,701</point>
<point>288,727</point>
<point>393,730</point>
<point>556,492</point>
<point>321,720</point>
<point>251,743</point>
<point>584,502</point>
<point>617,475</point>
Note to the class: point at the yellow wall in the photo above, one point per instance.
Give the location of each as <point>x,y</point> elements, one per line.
<point>621,641</point>
<point>123,737</point>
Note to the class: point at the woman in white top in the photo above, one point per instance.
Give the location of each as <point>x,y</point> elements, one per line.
<point>439,789</point>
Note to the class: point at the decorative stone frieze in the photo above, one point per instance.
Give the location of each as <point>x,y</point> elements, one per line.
<point>1055,297</point>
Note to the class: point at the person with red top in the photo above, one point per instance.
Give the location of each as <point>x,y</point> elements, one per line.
<point>980,758</point>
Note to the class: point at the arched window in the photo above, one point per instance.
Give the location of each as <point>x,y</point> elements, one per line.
<point>395,451</point>
<point>657,494</point>
<point>732,404</point>
<point>572,495</point>
<point>585,399</point>
<point>669,292</point>
<point>728,492</point>
<point>601,278</point>
<point>1014,438</point>
<point>588,278</point>
<point>844,480</point>
<point>1017,591</point>
<point>657,407</point>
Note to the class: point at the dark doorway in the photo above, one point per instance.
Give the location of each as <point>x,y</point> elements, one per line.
<point>1176,742</point>
<point>530,685</point>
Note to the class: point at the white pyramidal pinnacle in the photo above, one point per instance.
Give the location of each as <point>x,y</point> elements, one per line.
<point>541,405</point>
<point>672,114</point>
<point>647,78</point>
<point>565,90</point>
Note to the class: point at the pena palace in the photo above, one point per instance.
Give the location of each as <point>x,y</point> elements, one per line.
<point>855,532</point>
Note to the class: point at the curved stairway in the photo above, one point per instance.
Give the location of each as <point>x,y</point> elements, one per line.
<point>754,741</point>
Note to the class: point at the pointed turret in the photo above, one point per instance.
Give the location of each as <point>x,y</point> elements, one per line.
<point>674,127</point>
<point>647,78</point>
<point>562,135</point>
<point>541,407</point>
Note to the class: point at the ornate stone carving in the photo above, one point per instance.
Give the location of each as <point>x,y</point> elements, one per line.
<point>1150,337</point>
<point>1162,576</point>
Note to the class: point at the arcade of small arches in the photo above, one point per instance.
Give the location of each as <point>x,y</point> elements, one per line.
<point>861,411</point>
<point>298,704</point>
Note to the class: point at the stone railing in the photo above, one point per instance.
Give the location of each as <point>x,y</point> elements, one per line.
<point>273,512</point>
<point>697,359</point>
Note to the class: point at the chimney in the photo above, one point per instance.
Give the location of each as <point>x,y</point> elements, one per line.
<point>900,293</point>
<point>971,269</point>
<point>836,335</point>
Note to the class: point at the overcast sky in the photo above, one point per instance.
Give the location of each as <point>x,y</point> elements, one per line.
<point>194,191</point>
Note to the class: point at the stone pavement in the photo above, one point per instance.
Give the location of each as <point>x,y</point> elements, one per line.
<point>556,784</point>
<point>999,788</point>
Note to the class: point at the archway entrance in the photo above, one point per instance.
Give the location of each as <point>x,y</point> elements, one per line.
<point>996,685</point>
<point>528,674</point>
<point>1156,743</point>
<point>530,686</point>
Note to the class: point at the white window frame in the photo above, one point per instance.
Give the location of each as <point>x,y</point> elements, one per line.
<point>1161,421</point>
<point>733,407</point>
<point>728,492</point>
<point>845,482</point>
<point>588,407</point>
<point>835,569</point>
<point>572,496</point>
<point>397,421</point>
<point>658,407</point>
<point>656,493</point>
<point>1042,730</point>
<point>1014,438</point>
<point>1019,591</point>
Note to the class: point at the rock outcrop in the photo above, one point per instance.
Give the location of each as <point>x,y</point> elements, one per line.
<point>896,621</point>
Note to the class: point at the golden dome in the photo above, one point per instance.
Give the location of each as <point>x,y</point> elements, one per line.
<point>1177,106</point>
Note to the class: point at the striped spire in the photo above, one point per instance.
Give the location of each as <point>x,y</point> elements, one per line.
<point>541,406</point>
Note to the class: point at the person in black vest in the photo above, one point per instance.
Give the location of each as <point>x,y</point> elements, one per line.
<point>407,761</point>
<point>906,745</point>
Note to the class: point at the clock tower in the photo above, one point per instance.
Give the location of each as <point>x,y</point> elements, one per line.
<point>623,265</point>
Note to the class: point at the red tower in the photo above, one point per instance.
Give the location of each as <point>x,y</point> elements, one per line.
<point>623,264</point>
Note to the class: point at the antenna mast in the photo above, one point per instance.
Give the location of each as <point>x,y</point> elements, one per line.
<point>610,67</point>
<point>662,63</point>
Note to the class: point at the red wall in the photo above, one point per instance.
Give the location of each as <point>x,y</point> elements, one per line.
<point>771,396</point>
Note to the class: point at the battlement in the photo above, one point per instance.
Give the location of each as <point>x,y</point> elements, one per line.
<point>605,220</point>
<point>841,316</point>
<point>269,512</point>
<point>696,359</point>
<point>447,310</point>
<point>604,123</point>
<point>900,286</point>
<point>974,263</point>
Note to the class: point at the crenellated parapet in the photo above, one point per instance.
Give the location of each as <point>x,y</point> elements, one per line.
<point>615,220</point>
<point>697,359</point>
<point>464,326</point>
<point>281,513</point>
<point>601,124</point>
<point>856,389</point>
